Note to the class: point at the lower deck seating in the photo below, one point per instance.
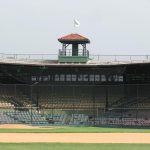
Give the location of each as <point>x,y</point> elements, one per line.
<point>68,119</point>
<point>139,122</point>
<point>79,119</point>
<point>5,119</point>
<point>57,119</point>
<point>27,117</point>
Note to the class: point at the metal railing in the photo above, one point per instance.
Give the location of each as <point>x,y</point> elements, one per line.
<point>29,56</point>
<point>120,58</point>
<point>68,52</point>
<point>49,58</point>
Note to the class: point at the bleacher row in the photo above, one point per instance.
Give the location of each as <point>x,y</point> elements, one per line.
<point>85,120</point>
<point>65,119</point>
<point>123,121</point>
<point>9,117</point>
<point>71,105</point>
<point>4,104</point>
<point>5,119</point>
<point>27,117</point>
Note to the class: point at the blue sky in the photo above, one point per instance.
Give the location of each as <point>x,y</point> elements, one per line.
<point>113,26</point>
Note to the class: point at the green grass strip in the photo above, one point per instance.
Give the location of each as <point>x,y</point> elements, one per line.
<point>76,130</point>
<point>62,146</point>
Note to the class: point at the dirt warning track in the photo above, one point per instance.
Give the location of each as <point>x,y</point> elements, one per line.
<point>76,137</point>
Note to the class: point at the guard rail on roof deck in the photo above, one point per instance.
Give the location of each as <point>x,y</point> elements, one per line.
<point>29,56</point>
<point>119,59</point>
<point>68,52</point>
<point>47,58</point>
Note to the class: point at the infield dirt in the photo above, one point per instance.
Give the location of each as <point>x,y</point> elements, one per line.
<point>70,137</point>
<point>76,137</point>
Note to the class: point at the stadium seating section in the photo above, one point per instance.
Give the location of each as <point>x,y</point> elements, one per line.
<point>21,104</point>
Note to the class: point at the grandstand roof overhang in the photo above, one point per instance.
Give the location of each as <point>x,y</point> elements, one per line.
<point>55,63</point>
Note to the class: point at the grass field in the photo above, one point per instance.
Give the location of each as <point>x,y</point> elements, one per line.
<point>76,130</point>
<point>59,146</point>
<point>71,146</point>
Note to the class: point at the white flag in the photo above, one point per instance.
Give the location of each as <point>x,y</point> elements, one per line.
<point>76,23</point>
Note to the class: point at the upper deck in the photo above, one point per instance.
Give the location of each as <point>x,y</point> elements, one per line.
<point>52,59</point>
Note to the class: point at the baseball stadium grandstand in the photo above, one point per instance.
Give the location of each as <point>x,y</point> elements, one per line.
<point>75,88</point>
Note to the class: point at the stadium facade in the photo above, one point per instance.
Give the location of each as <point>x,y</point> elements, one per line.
<point>75,89</point>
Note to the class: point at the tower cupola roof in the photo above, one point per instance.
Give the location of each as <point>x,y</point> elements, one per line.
<point>74,38</point>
